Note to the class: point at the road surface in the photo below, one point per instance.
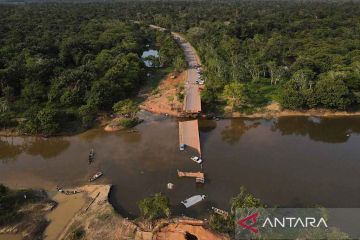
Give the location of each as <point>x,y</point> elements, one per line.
<point>192,100</point>
<point>189,130</point>
<point>189,135</point>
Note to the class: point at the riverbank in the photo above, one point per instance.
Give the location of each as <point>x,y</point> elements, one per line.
<point>274,110</point>
<point>96,219</point>
<point>89,215</point>
<point>25,218</point>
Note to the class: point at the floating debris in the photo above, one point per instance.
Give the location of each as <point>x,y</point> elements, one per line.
<point>132,131</point>
<point>193,200</point>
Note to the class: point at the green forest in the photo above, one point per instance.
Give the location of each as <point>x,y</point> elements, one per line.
<point>61,64</point>
<point>301,54</point>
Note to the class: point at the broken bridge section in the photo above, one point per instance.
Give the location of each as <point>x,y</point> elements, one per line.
<point>189,134</point>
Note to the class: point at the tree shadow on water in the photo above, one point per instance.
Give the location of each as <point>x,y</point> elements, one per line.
<point>329,130</point>
<point>233,132</point>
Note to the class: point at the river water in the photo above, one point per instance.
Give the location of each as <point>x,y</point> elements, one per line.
<point>289,161</point>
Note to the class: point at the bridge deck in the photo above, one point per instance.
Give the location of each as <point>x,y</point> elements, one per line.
<point>189,134</point>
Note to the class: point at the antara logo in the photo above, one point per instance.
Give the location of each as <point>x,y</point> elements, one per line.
<point>286,222</point>
<point>253,219</point>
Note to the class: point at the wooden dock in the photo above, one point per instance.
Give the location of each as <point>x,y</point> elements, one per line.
<point>199,176</point>
<point>189,134</point>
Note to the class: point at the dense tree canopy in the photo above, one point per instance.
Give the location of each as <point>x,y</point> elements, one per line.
<point>286,51</point>
<point>62,64</point>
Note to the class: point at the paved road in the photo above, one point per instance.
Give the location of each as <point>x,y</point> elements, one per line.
<point>192,100</point>
<point>189,130</point>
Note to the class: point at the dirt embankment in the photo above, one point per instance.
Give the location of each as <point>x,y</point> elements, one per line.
<point>114,125</point>
<point>97,219</point>
<point>32,222</point>
<point>165,98</point>
<point>274,110</point>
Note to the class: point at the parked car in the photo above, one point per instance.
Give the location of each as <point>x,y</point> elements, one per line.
<point>182,147</point>
<point>200,82</point>
<point>196,159</point>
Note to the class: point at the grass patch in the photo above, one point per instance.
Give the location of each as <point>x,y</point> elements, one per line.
<point>105,217</point>
<point>157,75</point>
<point>260,95</point>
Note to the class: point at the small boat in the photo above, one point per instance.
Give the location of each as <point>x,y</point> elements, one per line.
<point>196,159</point>
<point>91,155</point>
<point>220,212</point>
<point>193,200</point>
<point>95,176</point>
<point>59,189</point>
<point>71,192</point>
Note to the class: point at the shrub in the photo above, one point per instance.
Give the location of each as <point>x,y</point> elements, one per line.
<point>155,207</point>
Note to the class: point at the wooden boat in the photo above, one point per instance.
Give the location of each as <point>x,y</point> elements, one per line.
<point>220,212</point>
<point>193,200</point>
<point>95,176</point>
<point>91,155</point>
<point>71,192</point>
<point>67,192</point>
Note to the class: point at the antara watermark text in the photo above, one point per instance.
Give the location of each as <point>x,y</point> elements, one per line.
<point>294,222</point>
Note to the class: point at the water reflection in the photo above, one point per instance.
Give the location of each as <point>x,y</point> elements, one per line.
<point>9,150</point>
<point>131,136</point>
<point>151,58</point>
<point>206,125</point>
<point>12,147</point>
<point>329,130</point>
<point>93,134</point>
<point>233,132</point>
<point>46,148</point>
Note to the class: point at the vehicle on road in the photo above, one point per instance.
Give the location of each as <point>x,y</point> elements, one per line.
<point>182,147</point>
<point>196,159</point>
<point>200,82</point>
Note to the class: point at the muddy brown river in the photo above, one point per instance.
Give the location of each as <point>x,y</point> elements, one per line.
<point>289,161</point>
